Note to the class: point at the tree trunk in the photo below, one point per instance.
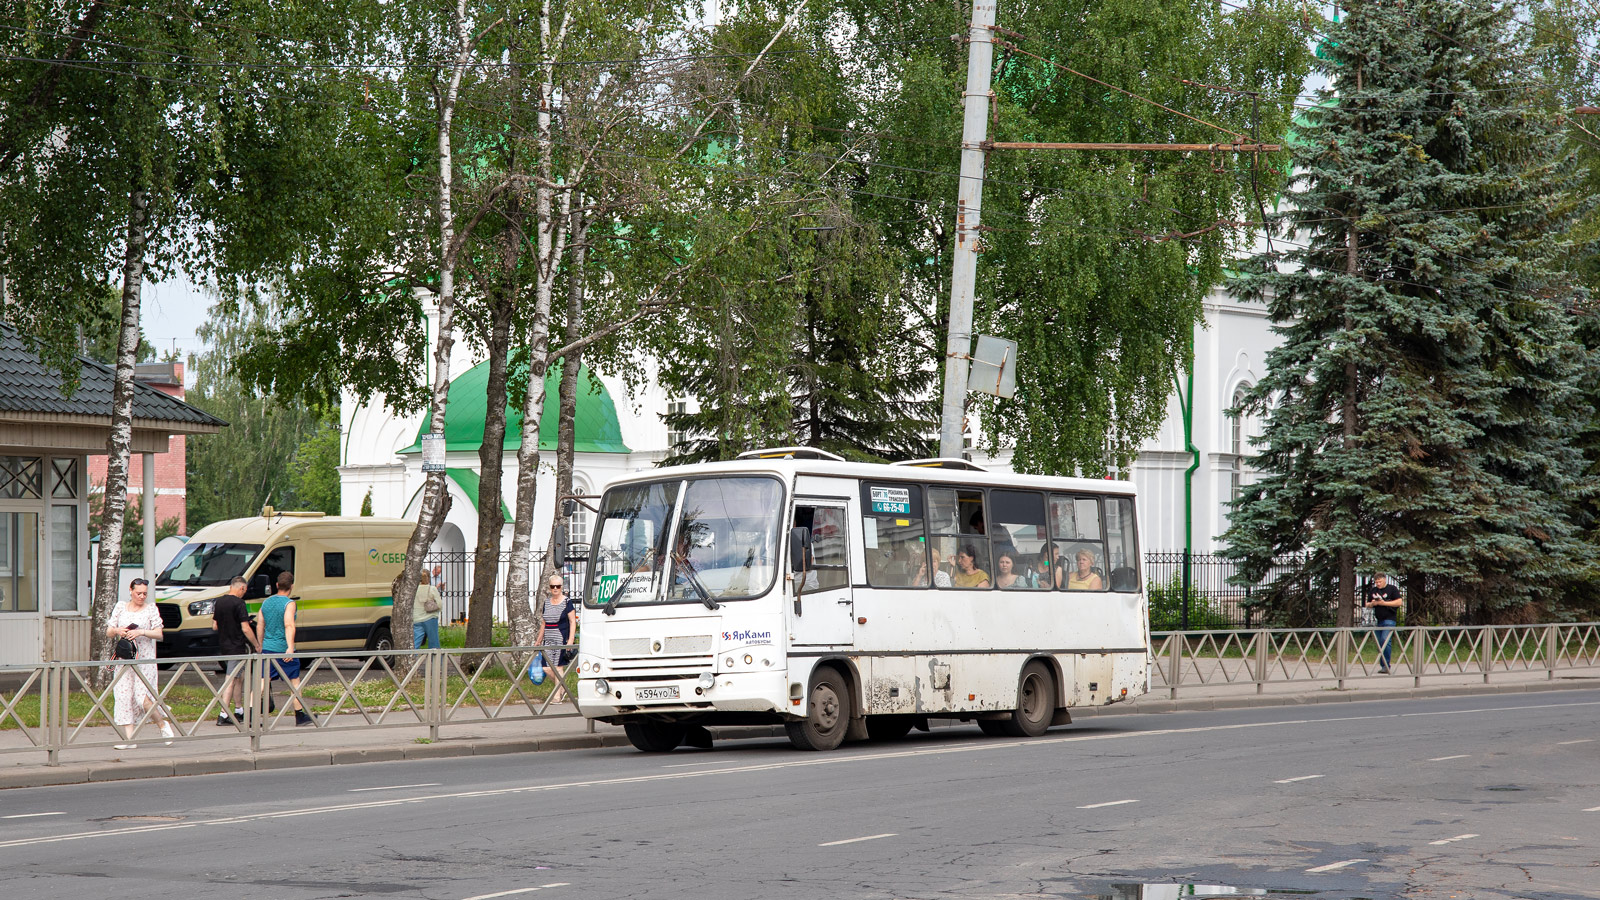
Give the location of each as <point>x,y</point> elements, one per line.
<point>435,498</point>
<point>109,566</point>
<point>550,226</point>
<point>566,423</point>
<point>491,455</point>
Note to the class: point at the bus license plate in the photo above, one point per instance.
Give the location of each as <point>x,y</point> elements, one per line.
<point>656,693</point>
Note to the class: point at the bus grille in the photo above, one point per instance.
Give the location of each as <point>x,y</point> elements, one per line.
<point>677,645</point>
<point>171,615</point>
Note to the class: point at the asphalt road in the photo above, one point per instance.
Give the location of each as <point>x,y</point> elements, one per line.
<point>1476,797</point>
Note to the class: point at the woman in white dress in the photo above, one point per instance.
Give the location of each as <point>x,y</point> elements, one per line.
<point>138,620</point>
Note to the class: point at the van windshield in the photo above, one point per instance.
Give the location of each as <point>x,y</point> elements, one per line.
<point>701,540</point>
<point>208,564</point>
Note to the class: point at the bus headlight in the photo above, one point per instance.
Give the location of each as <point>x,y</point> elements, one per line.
<point>202,607</point>
<point>602,687</point>
<point>707,681</point>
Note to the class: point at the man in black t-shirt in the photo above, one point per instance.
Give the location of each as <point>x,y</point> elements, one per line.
<point>236,636</point>
<point>1383,599</point>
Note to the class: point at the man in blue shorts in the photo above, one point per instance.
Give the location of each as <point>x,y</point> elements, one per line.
<point>277,641</point>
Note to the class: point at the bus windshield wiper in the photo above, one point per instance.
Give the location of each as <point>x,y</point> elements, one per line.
<point>693,580</point>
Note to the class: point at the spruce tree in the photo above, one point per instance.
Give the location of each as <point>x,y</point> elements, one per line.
<point>1423,405</point>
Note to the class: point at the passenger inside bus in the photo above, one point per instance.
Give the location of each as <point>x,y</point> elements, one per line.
<point>968,575</point>
<point>1083,577</point>
<point>1008,576</point>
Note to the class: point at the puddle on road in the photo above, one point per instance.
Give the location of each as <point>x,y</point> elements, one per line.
<point>1129,891</point>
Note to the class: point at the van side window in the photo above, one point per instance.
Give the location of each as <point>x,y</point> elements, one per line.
<point>281,559</point>
<point>333,565</point>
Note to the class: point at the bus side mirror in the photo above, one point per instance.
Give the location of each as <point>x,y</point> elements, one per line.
<point>559,552</point>
<point>799,540</point>
<point>568,507</point>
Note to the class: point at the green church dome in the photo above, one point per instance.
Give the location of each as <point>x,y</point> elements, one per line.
<point>595,422</point>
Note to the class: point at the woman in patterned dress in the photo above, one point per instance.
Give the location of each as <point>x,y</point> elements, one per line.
<point>138,620</point>
<point>557,626</point>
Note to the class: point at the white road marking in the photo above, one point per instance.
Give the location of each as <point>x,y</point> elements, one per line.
<point>1580,741</point>
<point>556,884</point>
<point>1296,778</point>
<point>1593,809</point>
<point>870,837</point>
<point>32,815</point>
<point>1443,758</point>
<point>1338,865</point>
<point>974,747</point>
<point>503,893</point>
<point>1459,837</point>
<point>1112,803</point>
<point>394,787</point>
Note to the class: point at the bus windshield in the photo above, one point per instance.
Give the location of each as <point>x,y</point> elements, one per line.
<point>704,540</point>
<point>208,564</point>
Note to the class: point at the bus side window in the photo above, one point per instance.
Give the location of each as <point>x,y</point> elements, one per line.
<point>1122,541</point>
<point>959,528</point>
<point>1075,532</point>
<point>1019,532</point>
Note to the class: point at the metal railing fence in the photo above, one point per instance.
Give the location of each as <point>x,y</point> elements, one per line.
<point>56,706</point>
<point>1337,656</point>
<point>59,705</point>
<point>457,568</point>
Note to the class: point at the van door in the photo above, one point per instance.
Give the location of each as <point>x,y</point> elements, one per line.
<point>827,615</point>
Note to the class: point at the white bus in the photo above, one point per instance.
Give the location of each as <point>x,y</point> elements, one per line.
<point>852,600</point>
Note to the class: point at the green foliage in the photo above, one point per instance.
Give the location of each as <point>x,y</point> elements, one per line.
<point>366,503</point>
<point>276,453</point>
<point>1166,608</point>
<point>1096,263</point>
<point>102,328</point>
<point>1452,330</point>
<point>132,526</point>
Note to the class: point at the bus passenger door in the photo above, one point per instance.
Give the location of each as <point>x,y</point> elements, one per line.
<point>827,615</point>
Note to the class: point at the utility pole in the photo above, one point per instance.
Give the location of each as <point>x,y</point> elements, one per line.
<point>969,200</point>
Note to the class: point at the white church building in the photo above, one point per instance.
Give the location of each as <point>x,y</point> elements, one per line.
<point>618,434</point>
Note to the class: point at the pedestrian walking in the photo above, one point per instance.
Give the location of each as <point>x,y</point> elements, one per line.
<point>557,626</point>
<point>425,609</point>
<point>277,642</point>
<point>1384,600</point>
<point>137,620</point>
<point>236,636</point>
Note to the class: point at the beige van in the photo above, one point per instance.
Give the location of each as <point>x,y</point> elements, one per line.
<point>343,567</point>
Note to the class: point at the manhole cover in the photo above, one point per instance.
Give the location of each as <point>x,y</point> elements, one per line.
<point>144,819</point>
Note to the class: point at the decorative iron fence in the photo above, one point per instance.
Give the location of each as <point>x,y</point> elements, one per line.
<point>457,571</point>
<point>1212,600</point>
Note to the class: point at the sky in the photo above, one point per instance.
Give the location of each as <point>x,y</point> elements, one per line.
<point>170,313</point>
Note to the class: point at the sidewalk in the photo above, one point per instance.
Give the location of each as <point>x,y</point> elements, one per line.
<point>215,750</point>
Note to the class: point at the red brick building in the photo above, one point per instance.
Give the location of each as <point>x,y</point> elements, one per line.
<point>171,467</point>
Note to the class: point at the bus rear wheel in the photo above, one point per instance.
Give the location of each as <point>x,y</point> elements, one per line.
<point>827,712</point>
<point>655,737</point>
<point>1036,702</point>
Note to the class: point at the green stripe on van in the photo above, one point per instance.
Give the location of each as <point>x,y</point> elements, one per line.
<point>344,603</point>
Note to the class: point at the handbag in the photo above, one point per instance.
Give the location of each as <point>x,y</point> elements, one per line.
<point>125,649</point>
<point>430,604</point>
<point>536,667</point>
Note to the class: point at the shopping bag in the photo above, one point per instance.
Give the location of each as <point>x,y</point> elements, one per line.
<point>536,668</point>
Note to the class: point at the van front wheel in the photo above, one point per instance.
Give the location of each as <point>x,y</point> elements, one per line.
<point>381,639</point>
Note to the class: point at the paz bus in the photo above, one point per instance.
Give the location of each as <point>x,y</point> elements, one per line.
<point>856,601</point>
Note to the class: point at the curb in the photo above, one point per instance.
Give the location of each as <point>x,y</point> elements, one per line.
<point>99,771</point>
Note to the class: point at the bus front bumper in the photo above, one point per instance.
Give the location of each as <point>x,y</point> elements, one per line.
<point>734,692</point>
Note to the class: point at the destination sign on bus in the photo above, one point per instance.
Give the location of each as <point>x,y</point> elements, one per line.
<point>891,500</point>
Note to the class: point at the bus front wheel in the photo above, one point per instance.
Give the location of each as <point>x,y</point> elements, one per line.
<point>827,712</point>
<point>655,737</point>
<point>1036,702</point>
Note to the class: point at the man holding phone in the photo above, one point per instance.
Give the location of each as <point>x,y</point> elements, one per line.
<point>1384,600</point>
